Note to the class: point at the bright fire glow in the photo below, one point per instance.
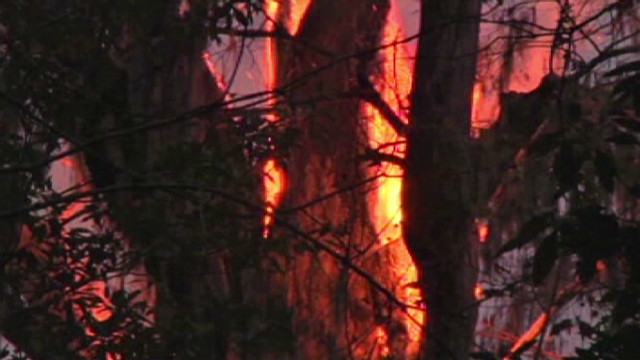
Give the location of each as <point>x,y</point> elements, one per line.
<point>214,70</point>
<point>534,331</point>
<point>274,183</point>
<point>298,9</point>
<point>483,230</point>
<point>529,62</point>
<point>529,59</point>
<point>394,85</point>
<point>383,342</point>
<point>479,292</point>
<point>274,176</point>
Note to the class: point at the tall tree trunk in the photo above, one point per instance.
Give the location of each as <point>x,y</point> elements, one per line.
<point>336,313</point>
<point>437,194</point>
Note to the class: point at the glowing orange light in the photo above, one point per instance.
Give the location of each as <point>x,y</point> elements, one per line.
<point>214,70</point>
<point>383,342</point>
<point>67,161</point>
<point>483,230</point>
<point>298,9</point>
<point>273,175</point>
<point>274,184</point>
<point>479,292</point>
<point>394,86</point>
<point>534,331</point>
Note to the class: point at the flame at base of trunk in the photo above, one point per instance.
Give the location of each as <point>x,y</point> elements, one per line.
<point>394,84</point>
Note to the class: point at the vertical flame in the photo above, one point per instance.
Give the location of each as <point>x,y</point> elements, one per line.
<point>483,229</point>
<point>298,9</point>
<point>394,85</point>
<point>274,181</point>
<point>272,8</point>
<point>214,70</point>
<point>274,177</point>
<point>479,292</point>
<point>383,342</point>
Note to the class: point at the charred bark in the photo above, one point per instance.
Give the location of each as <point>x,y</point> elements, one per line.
<point>437,193</point>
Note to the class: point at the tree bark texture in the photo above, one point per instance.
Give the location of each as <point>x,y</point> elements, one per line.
<point>437,192</point>
<point>336,313</point>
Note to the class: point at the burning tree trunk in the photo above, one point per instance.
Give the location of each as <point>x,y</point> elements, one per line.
<point>438,188</point>
<point>335,313</point>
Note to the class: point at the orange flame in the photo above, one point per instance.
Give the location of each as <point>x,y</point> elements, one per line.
<point>383,342</point>
<point>483,230</point>
<point>214,70</point>
<point>273,175</point>
<point>298,9</point>
<point>479,292</point>
<point>394,86</point>
<point>274,178</point>
<point>274,183</point>
<point>527,338</point>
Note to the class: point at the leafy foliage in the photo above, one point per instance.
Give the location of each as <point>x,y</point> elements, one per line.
<point>593,163</point>
<point>79,76</point>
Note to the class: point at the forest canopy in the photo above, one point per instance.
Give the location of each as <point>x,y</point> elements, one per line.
<point>316,179</point>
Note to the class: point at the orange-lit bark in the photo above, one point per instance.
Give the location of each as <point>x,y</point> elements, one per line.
<point>393,80</point>
<point>394,83</point>
<point>336,312</point>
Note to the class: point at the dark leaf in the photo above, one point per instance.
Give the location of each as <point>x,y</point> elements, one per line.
<point>628,124</point>
<point>563,325</point>
<point>627,306</point>
<point>240,16</point>
<point>635,191</point>
<point>545,144</point>
<point>633,66</point>
<point>414,285</point>
<point>528,232</point>
<point>605,170</point>
<point>586,354</point>
<point>623,139</point>
<point>574,111</point>
<point>545,258</point>
<point>483,355</point>
<point>585,329</point>
<point>586,267</point>
<point>627,87</point>
<point>566,168</point>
